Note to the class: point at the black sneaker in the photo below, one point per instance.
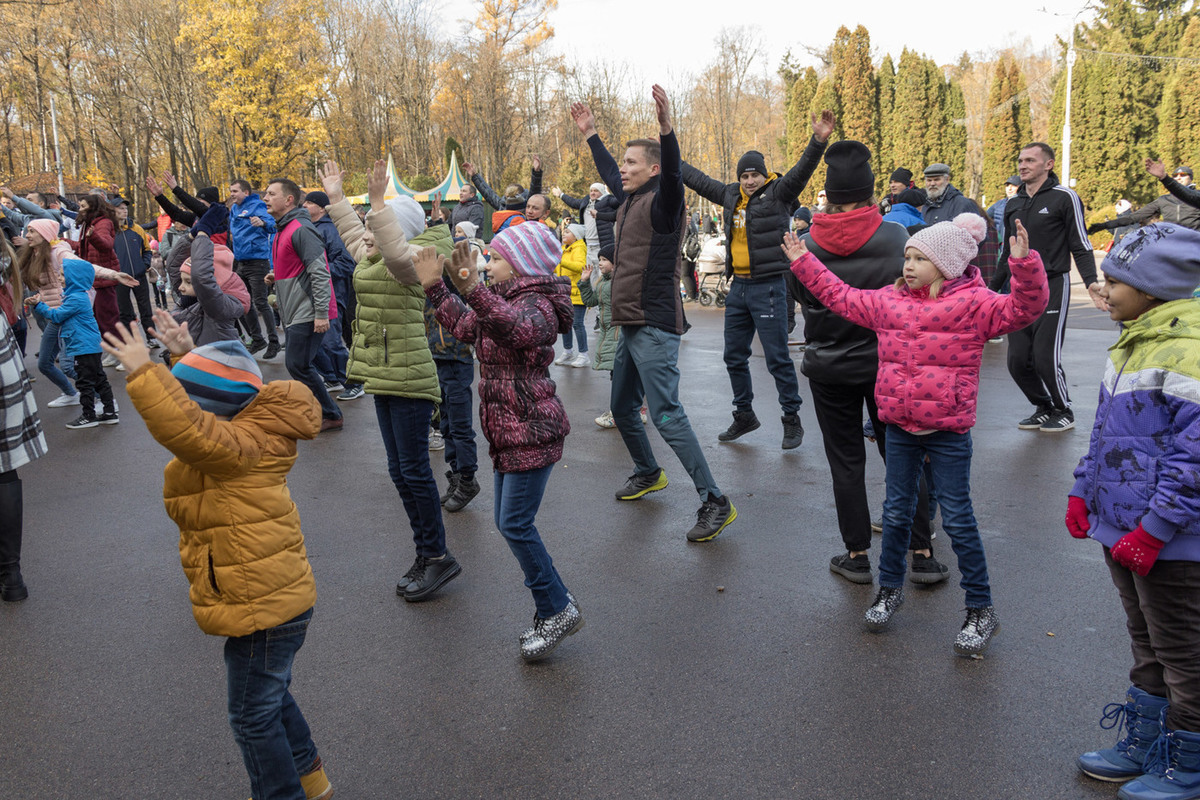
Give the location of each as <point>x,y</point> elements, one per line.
<point>426,576</point>
<point>353,392</point>
<point>639,486</point>
<point>855,570</point>
<point>82,421</point>
<point>256,345</point>
<point>451,481</point>
<point>927,570</point>
<point>977,631</point>
<point>743,423</point>
<point>713,517</point>
<point>793,431</point>
<point>465,489</point>
<point>885,605</point>
<point>1036,420</point>
<point>1059,421</point>
<point>272,351</point>
<point>108,418</point>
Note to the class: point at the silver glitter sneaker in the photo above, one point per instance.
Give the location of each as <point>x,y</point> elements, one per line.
<point>977,631</point>
<point>880,612</point>
<point>549,633</point>
<point>532,629</point>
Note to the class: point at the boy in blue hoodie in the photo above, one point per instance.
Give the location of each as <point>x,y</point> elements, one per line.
<point>81,341</point>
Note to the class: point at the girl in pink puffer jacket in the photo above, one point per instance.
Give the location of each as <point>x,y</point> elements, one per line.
<point>932,326</point>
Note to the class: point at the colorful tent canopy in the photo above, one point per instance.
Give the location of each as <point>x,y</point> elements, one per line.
<point>448,188</point>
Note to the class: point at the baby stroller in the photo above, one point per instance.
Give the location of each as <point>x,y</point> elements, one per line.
<point>711,286</point>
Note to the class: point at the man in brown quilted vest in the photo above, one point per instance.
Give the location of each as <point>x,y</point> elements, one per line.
<point>647,306</point>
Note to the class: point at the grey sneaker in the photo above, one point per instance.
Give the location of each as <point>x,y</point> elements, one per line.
<point>1059,421</point>
<point>977,631</point>
<point>464,491</point>
<point>713,517</point>
<point>1036,420</point>
<point>638,486</point>
<point>549,633</point>
<point>743,423</point>
<point>885,605</point>
<point>351,393</point>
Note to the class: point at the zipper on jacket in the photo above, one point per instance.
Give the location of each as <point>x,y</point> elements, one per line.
<point>1100,434</point>
<point>385,348</point>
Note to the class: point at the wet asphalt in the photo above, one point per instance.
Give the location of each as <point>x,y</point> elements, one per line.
<point>733,669</point>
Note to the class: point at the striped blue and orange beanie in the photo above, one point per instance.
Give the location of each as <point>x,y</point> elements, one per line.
<point>221,377</point>
<point>531,248</point>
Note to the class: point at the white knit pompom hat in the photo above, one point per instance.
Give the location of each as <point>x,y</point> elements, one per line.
<point>951,245</point>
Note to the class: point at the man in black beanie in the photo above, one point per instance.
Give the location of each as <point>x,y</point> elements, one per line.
<point>758,212</point>
<point>841,358</point>
<point>900,180</point>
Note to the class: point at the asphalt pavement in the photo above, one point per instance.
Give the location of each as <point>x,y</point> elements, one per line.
<point>737,668</point>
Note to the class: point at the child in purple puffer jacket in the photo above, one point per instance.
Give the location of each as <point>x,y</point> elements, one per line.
<point>1137,493</point>
<point>513,324</point>
<point>932,326</point>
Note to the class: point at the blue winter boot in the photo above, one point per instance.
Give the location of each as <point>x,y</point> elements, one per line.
<point>1139,716</point>
<point>1172,768</point>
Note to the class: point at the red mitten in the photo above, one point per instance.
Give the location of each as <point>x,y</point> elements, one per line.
<point>1077,517</point>
<point>1137,551</point>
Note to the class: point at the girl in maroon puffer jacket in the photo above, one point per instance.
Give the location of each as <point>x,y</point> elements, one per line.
<point>513,325</point>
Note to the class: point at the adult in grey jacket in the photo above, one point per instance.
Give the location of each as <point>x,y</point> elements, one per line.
<point>945,202</point>
<point>214,315</point>
<point>469,209</point>
<point>758,212</point>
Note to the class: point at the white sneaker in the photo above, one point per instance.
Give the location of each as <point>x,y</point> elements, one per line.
<point>566,356</point>
<point>645,418</point>
<point>605,420</point>
<point>64,400</point>
<point>120,367</point>
<point>581,360</point>
<point>109,361</point>
<point>436,442</point>
<point>99,405</point>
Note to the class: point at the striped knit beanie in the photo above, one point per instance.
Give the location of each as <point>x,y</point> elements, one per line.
<point>221,377</point>
<point>532,249</point>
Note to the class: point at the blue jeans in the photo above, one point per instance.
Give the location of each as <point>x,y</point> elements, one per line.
<point>950,459</point>
<point>455,421</point>
<point>276,744</point>
<point>303,344</point>
<point>404,425</point>
<point>647,365</point>
<point>580,330</point>
<point>333,356</point>
<point>518,495</point>
<point>47,353</point>
<point>759,307</point>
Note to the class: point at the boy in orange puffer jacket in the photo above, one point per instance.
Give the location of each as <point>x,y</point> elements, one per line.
<point>234,437</point>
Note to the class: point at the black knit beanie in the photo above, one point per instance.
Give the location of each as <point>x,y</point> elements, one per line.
<point>901,175</point>
<point>209,194</point>
<point>607,252</point>
<point>752,161</point>
<point>849,178</point>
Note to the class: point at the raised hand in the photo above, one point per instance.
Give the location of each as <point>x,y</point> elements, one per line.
<point>428,265</point>
<point>128,347</point>
<point>7,192</point>
<point>586,274</point>
<point>153,186</point>
<point>174,337</point>
<point>1018,243</point>
<point>462,268</point>
<point>662,108</point>
<point>823,125</point>
<point>1156,168</point>
<point>585,120</point>
<point>377,184</point>
<point>332,177</point>
<point>793,246</point>
<point>537,162</point>
<point>435,207</point>
<point>170,181</point>
<point>468,169</point>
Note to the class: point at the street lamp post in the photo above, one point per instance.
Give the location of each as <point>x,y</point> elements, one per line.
<point>1066,144</point>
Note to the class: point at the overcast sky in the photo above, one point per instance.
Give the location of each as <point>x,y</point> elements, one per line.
<point>665,44</point>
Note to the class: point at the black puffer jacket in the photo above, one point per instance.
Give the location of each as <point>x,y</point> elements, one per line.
<point>768,212</point>
<point>867,253</point>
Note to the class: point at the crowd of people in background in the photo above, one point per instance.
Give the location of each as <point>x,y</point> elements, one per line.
<point>899,295</point>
